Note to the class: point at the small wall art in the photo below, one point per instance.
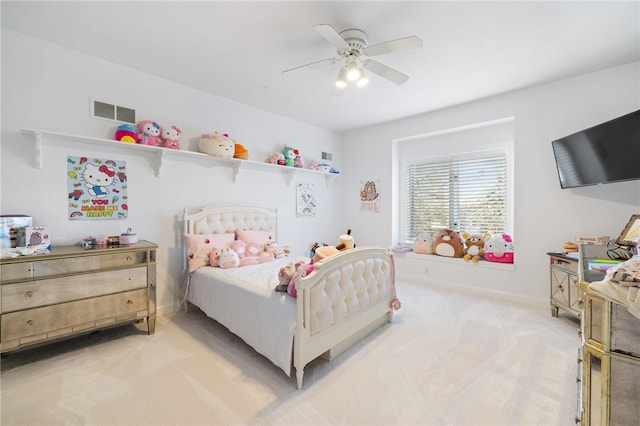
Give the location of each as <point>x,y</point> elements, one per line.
<point>97,188</point>
<point>305,200</point>
<point>370,196</point>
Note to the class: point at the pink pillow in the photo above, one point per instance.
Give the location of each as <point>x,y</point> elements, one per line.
<point>199,246</point>
<point>253,236</point>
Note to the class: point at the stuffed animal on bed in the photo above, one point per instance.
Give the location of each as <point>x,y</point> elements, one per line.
<point>228,258</point>
<point>448,243</point>
<point>474,247</point>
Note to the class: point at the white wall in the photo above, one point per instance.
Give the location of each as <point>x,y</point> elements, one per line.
<point>47,87</point>
<point>544,215</point>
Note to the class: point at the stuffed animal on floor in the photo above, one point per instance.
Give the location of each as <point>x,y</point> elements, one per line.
<point>499,248</point>
<point>474,247</point>
<point>448,243</point>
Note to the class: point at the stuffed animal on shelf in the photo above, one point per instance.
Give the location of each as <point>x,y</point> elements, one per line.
<point>289,156</point>
<point>423,244</point>
<point>276,158</point>
<point>228,259</point>
<point>240,151</point>
<point>171,136</point>
<point>149,133</point>
<point>217,144</point>
<point>448,243</point>
<point>126,133</point>
<point>474,247</point>
<point>499,248</point>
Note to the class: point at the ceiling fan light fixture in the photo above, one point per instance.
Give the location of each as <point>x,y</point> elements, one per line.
<point>354,72</point>
<point>341,82</point>
<point>362,81</point>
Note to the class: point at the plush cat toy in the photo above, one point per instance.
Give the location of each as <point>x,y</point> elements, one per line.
<point>499,248</point>
<point>423,244</point>
<point>171,136</point>
<point>448,243</point>
<point>149,133</point>
<point>474,247</point>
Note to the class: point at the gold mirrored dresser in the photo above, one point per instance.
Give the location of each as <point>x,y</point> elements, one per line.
<point>608,362</point>
<point>71,290</point>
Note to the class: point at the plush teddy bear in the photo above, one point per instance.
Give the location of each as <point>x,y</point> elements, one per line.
<point>474,246</point>
<point>228,259</point>
<point>423,244</point>
<point>448,243</point>
<point>149,133</point>
<point>499,248</point>
<point>171,136</point>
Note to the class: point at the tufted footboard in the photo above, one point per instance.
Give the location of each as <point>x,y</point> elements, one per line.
<point>345,297</point>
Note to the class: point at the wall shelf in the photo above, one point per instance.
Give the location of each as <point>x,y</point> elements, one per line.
<point>162,154</point>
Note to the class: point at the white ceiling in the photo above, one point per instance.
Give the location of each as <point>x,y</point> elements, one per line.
<point>238,50</point>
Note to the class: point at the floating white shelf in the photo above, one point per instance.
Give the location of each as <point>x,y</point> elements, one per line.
<point>162,154</point>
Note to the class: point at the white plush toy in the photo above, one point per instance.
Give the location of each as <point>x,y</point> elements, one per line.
<point>228,259</point>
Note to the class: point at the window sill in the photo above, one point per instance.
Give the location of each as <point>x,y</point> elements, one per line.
<point>433,258</point>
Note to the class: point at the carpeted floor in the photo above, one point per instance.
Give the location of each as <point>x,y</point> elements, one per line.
<point>448,358</point>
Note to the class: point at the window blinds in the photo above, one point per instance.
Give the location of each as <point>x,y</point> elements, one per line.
<point>467,194</point>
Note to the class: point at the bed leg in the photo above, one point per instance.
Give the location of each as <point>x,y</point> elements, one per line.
<point>299,374</point>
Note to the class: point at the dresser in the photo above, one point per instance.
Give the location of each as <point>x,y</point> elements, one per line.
<point>72,290</point>
<point>563,280</point>
<point>608,363</point>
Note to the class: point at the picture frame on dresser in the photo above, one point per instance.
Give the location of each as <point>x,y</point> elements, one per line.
<point>630,232</point>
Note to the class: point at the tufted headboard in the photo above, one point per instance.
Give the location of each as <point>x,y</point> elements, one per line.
<point>219,219</point>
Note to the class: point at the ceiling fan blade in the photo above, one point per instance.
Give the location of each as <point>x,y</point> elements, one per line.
<point>407,43</point>
<point>331,36</point>
<point>313,65</point>
<point>384,71</point>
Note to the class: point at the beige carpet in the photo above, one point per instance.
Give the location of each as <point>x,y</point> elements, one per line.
<point>448,358</point>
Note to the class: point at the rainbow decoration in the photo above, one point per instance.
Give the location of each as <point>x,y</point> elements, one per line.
<point>126,133</point>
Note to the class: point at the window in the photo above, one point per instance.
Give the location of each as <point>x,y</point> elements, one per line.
<point>465,194</point>
<point>458,179</point>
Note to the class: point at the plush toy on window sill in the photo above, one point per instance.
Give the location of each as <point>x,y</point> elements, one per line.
<point>499,248</point>
<point>149,133</point>
<point>171,136</point>
<point>423,244</point>
<point>448,243</point>
<point>474,247</point>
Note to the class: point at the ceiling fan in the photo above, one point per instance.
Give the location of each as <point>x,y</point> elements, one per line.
<point>352,48</point>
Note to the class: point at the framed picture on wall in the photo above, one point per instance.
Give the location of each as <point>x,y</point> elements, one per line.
<point>370,196</point>
<point>305,200</point>
<point>631,232</point>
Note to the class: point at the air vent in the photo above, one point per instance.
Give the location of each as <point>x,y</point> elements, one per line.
<point>327,156</point>
<point>107,111</point>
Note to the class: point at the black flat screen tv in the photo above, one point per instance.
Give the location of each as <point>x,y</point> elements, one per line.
<point>606,153</point>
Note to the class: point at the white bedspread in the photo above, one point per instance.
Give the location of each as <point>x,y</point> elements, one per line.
<point>244,300</point>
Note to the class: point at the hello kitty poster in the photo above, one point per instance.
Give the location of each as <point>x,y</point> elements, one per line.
<point>97,188</point>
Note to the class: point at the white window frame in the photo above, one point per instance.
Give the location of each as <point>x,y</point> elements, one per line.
<point>474,140</point>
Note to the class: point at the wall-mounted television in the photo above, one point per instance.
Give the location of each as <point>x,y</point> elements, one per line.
<point>606,153</point>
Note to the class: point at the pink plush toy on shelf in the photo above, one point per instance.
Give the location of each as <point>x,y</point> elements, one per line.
<point>149,133</point>
<point>171,136</point>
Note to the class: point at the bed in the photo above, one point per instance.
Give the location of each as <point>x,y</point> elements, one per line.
<point>345,298</point>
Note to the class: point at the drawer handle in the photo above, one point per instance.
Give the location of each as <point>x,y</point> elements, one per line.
<point>28,294</point>
<point>129,259</point>
<point>30,323</point>
<point>129,302</point>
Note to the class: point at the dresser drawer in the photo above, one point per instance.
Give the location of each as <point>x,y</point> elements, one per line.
<point>69,265</point>
<point>72,316</point>
<point>31,294</point>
